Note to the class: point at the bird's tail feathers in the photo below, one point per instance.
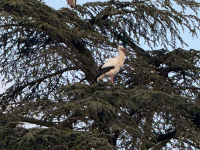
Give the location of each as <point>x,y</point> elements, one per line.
<point>104,70</point>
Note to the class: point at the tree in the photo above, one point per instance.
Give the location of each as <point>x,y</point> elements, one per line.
<point>51,57</point>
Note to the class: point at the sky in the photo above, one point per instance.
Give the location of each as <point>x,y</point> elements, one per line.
<point>193,42</point>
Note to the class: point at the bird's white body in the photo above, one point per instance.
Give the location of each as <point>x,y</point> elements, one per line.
<point>116,63</point>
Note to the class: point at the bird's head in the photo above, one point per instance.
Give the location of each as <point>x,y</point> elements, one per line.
<point>120,47</point>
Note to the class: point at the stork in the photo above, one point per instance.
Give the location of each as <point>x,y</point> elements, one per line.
<point>112,66</point>
<point>71,3</point>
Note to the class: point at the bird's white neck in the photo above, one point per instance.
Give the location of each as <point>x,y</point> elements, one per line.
<point>121,53</point>
<point>121,57</point>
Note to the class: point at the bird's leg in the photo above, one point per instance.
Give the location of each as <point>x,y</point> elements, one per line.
<point>111,76</point>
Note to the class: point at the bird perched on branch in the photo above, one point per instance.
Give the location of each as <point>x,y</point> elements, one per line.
<point>71,3</point>
<point>112,66</point>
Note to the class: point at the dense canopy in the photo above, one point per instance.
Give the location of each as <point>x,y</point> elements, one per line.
<point>51,58</point>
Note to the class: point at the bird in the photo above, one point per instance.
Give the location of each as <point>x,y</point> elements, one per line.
<point>112,66</point>
<point>71,3</point>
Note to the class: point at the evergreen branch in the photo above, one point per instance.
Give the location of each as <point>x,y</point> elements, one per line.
<point>191,143</point>
<point>164,71</point>
<point>168,135</point>
<point>185,88</point>
<point>147,130</point>
<point>12,25</point>
<point>142,11</point>
<point>13,91</point>
<point>37,121</point>
<point>59,125</point>
<point>57,23</point>
<point>86,61</point>
<point>162,140</point>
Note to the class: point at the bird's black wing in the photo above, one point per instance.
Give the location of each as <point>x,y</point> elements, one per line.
<point>103,70</point>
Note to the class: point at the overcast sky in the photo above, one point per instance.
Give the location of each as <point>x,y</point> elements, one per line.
<point>192,42</point>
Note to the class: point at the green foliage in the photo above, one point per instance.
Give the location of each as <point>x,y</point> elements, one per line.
<point>51,58</point>
<point>94,117</point>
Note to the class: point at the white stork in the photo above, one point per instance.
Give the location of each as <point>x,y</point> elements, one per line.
<point>112,66</point>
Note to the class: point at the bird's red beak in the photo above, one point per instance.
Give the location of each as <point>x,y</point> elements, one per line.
<point>124,50</point>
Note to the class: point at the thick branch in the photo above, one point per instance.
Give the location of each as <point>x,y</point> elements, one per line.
<point>61,125</point>
<point>163,139</point>
<point>86,60</point>
<point>166,70</point>
<point>37,122</point>
<point>14,91</point>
